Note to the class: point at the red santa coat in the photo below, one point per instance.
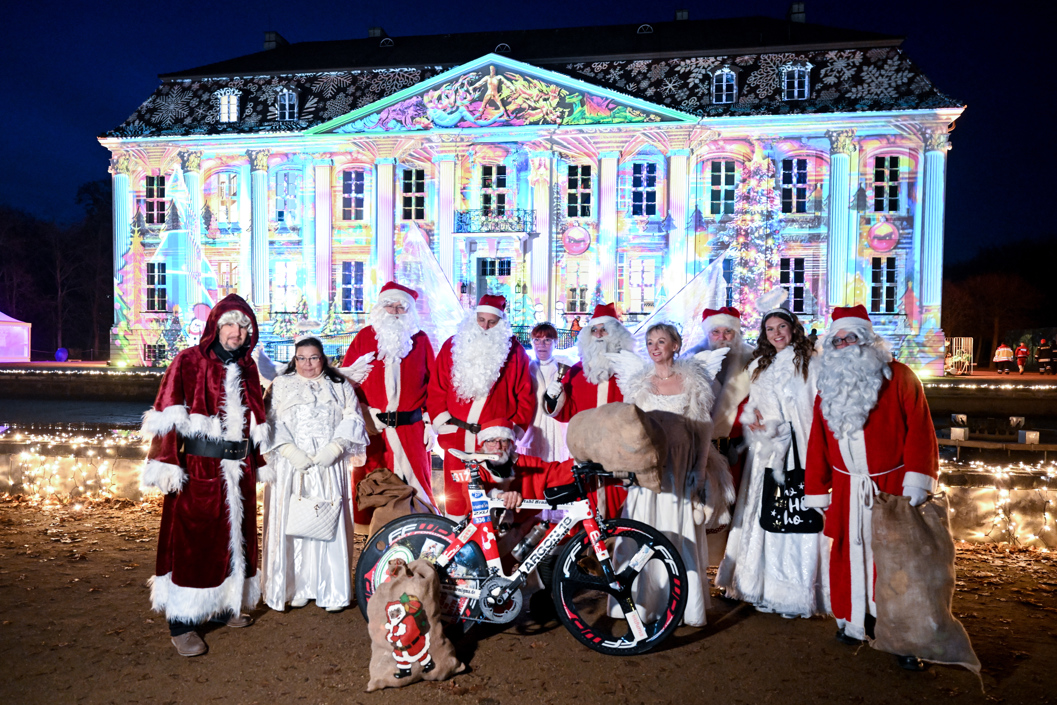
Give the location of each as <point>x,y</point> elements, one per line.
<point>395,386</point>
<point>895,450</point>
<point>207,545</point>
<point>579,395</point>
<point>510,398</point>
<point>410,642</point>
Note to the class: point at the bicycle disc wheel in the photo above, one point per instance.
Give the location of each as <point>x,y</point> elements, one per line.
<point>422,536</point>
<point>649,572</point>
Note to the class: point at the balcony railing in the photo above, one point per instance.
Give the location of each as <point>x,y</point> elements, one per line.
<point>494,220</point>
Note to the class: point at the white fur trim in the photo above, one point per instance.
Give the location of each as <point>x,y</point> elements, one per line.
<point>602,319</point>
<point>266,474</point>
<point>163,476</point>
<point>819,501</point>
<point>495,433</point>
<point>397,296</point>
<point>196,605</point>
<point>441,421</point>
<point>260,434</point>
<point>721,319</point>
<point>916,479</point>
<point>851,324</point>
<point>491,309</point>
<point>158,423</point>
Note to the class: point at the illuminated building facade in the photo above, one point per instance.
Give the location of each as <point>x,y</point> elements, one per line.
<point>558,167</point>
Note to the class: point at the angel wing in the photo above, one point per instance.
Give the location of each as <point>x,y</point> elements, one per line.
<point>712,360</point>
<point>627,364</point>
<point>358,370</point>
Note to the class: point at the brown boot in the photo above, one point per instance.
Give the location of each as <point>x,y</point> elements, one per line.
<point>189,644</point>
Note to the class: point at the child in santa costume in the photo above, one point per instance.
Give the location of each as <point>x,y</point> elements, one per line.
<point>872,432</point>
<point>482,373</point>
<point>391,361</point>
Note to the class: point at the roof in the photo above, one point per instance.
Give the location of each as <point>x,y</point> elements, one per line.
<point>741,35</point>
<point>851,72</point>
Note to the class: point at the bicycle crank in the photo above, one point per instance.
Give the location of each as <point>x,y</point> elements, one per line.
<point>494,606</point>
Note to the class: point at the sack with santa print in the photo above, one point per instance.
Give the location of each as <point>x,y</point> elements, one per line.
<point>407,636</point>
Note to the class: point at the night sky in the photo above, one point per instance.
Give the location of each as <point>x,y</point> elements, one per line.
<point>81,68</point>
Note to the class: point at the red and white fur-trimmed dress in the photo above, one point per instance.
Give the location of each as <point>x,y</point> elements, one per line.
<point>895,449</point>
<point>207,545</point>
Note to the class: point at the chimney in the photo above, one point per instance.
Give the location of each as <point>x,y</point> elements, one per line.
<point>796,13</point>
<point>681,15</point>
<point>274,40</point>
<point>375,32</point>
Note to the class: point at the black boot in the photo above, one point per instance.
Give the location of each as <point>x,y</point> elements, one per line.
<point>402,673</point>
<point>911,663</point>
<point>429,665</point>
<point>845,639</point>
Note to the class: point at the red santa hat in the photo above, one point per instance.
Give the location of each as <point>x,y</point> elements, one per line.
<point>726,317</point>
<point>604,313</point>
<point>496,430</point>
<point>853,319</point>
<point>396,292</point>
<point>492,303</point>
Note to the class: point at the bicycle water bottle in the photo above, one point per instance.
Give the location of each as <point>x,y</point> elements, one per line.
<point>525,546</point>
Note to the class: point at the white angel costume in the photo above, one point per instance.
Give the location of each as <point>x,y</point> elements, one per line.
<point>677,509</point>
<point>310,414</point>
<point>775,572</point>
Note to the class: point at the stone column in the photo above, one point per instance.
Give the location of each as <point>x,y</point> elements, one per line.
<point>446,212</point>
<point>324,231</point>
<point>120,169</point>
<point>936,146</point>
<point>541,176</point>
<point>191,163</point>
<point>260,290</point>
<point>245,281</point>
<point>308,233</point>
<point>676,271</point>
<point>607,224</point>
<point>840,260</point>
<point>385,212</point>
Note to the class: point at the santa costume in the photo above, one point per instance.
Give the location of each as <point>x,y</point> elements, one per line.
<point>545,438</point>
<point>204,426</point>
<point>480,375</point>
<point>591,383</point>
<point>391,361</point>
<point>871,432</point>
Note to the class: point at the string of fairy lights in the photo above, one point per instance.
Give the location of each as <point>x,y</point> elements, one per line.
<point>72,467</point>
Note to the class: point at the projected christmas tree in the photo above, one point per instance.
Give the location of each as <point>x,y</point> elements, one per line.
<point>755,237</point>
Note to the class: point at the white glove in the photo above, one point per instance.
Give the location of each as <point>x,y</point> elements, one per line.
<point>428,437</point>
<point>297,457</point>
<point>328,454</point>
<point>554,389</point>
<point>917,495</point>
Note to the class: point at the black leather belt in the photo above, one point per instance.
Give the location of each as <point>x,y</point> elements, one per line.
<point>473,428</point>
<point>225,450</point>
<point>400,418</point>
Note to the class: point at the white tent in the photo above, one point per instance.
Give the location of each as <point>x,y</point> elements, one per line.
<point>14,339</point>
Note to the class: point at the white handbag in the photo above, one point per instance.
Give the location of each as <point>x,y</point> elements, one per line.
<point>313,517</point>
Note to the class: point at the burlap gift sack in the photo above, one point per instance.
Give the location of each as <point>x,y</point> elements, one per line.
<point>389,497</point>
<point>407,636</point>
<point>914,555</point>
<point>622,438</point>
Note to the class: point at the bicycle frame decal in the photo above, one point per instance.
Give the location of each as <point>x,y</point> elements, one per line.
<point>456,545</point>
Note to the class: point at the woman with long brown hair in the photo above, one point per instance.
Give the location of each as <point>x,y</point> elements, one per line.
<point>774,556</point>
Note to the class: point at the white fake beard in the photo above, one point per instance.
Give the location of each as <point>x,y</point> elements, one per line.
<point>849,381</point>
<point>597,367</point>
<point>477,356</point>
<point>735,344</point>
<point>393,332</point>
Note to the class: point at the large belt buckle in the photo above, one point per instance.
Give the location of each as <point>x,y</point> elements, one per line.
<point>387,419</point>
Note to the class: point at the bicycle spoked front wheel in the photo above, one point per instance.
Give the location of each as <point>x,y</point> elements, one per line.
<point>649,572</point>
<point>423,536</point>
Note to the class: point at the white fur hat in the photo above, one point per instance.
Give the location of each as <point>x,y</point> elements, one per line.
<point>496,430</point>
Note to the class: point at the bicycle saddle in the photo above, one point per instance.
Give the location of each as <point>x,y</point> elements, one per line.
<point>472,457</point>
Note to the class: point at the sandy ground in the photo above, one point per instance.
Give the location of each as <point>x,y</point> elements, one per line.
<point>76,628</point>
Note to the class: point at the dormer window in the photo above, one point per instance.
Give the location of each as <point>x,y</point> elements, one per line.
<point>287,104</point>
<point>228,99</point>
<point>502,48</point>
<point>724,86</point>
<point>795,81</point>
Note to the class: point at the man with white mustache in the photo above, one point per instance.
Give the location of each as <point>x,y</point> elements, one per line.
<point>394,393</point>
<point>872,432</point>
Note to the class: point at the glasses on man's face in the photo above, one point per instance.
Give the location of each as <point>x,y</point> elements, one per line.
<point>849,339</point>
<point>301,359</point>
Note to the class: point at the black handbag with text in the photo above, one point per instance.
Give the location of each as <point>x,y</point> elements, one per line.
<point>782,508</point>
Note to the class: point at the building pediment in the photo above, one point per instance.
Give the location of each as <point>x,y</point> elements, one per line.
<point>498,92</point>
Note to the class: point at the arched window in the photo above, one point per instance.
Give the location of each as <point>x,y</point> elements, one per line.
<point>724,86</point>
<point>387,42</point>
<point>502,48</point>
<point>644,29</point>
<point>228,104</point>
<point>287,104</point>
<point>796,80</point>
